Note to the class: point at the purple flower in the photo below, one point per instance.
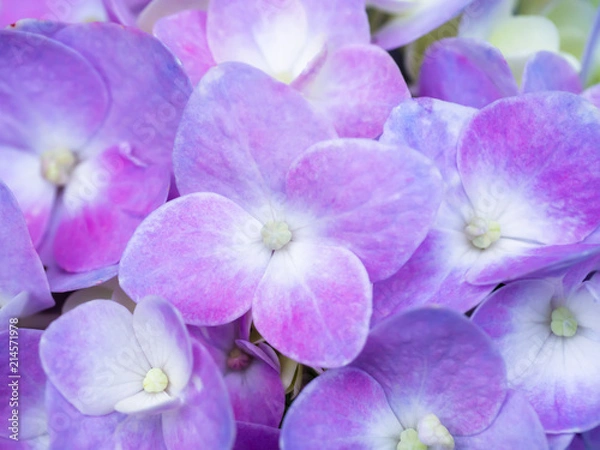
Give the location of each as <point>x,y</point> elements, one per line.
<point>521,194</point>
<point>280,219</point>
<point>427,378</point>
<point>319,48</point>
<point>139,375</point>
<point>85,149</point>
<point>548,331</point>
<point>23,285</point>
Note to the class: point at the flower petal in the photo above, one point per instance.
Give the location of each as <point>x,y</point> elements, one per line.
<point>313,304</point>
<point>201,252</point>
<point>546,71</point>
<point>385,208</point>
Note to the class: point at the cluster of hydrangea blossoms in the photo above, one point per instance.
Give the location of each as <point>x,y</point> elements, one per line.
<point>509,170</point>
<point>75,153</point>
<point>279,216</point>
<point>322,49</point>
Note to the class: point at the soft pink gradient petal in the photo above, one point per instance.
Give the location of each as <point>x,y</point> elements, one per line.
<point>434,361</point>
<point>520,165</point>
<point>355,88</point>
<point>592,94</point>
<point>414,22</point>
<point>140,432</point>
<point>104,203</point>
<point>314,304</point>
<point>240,132</point>
<point>546,71</point>
<point>201,252</point>
<point>92,357</point>
<point>467,72</point>
<point>158,9</point>
<point>383,212</point>
<point>341,409</point>
<point>517,426</point>
<point>184,34</point>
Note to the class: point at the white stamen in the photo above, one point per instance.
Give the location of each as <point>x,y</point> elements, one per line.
<point>155,381</point>
<point>57,165</point>
<point>482,232</point>
<point>276,234</point>
<point>433,433</point>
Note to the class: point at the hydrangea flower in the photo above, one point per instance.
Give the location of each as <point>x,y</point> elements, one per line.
<point>319,48</point>
<point>22,391</point>
<point>426,378</point>
<point>412,19</point>
<point>280,217</point>
<point>548,331</point>
<point>24,288</point>
<point>521,194</point>
<point>85,150</point>
<point>139,376</point>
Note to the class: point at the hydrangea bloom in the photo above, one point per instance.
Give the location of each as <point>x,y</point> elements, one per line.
<point>144,13</point>
<point>548,331</point>
<point>320,48</point>
<point>425,379</point>
<point>521,190</point>
<point>140,376</point>
<point>23,285</point>
<point>75,153</point>
<point>279,219</point>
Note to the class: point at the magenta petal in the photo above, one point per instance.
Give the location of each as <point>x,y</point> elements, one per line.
<point>546,71</point>
<point>105,201</point>
<point>341,409</point>
<point>356,87</point>
<point>92,357</point>
<point>185,35</point>
<point>313,304</point>
<point>201,252</point>
<point>21,271</point>
<point>592,94</point>
<point>467,72</point>
<point>240,132</point>
<point>454,371</point>
<point>384,210</point>
<point>63,281</point>
<point>517,427</point>
<point>206,414</point>
<point>517,155</point>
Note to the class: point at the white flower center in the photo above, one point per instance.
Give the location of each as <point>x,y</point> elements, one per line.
<point>155,381</point>
<point>276,234</point>
<point>563,323</point>
<point>57,165</point>
<point>430,433</point>
<point>482,232</point>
